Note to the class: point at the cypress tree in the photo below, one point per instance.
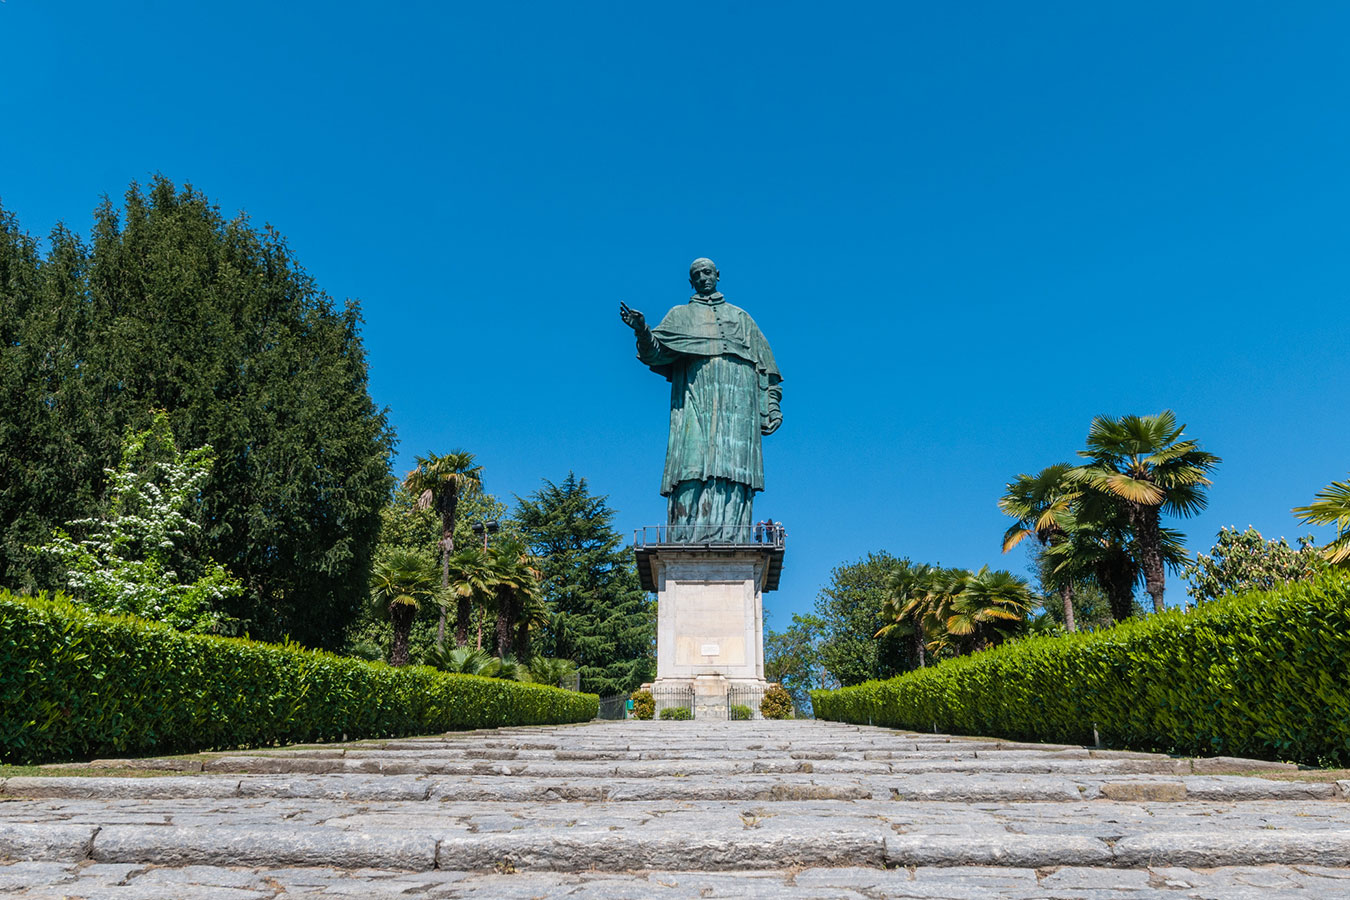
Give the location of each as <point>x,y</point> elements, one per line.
<point>602,619</point>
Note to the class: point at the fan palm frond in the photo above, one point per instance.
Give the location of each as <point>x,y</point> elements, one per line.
<point>1331,506</point>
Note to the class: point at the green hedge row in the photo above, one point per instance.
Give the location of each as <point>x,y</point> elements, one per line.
<point>1263,674</point>
<point>75,684</point>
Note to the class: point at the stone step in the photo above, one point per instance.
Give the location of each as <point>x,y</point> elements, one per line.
<point>402,764</point>
<point>588,763</point>
<point>991,788</point>
<point>748,845</point>
<point>129,880</point>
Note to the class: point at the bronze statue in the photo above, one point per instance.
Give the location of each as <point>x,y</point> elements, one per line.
<point>724,395</point>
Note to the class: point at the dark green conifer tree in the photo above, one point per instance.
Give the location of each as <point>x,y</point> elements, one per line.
<point>54,442</point>
<point>175,307</point>
<point>601,617</point>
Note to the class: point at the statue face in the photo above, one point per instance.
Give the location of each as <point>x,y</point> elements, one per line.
<point>703,277</point>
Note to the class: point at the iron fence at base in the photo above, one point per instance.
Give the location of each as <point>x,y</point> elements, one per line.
<point>615,706</point>
<point>674,697</point>
<point>743,701</point>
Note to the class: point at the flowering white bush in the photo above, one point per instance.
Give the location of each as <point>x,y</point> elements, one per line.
<point>131,560</point>
<point>1245,561</point>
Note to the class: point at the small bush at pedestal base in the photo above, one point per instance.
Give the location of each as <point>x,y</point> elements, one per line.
<point>644,705</point>
<point>777,703</point>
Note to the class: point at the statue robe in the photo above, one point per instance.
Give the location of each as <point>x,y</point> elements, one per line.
<point>723,384</point>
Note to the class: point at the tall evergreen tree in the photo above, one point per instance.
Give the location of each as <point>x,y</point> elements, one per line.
<point>601,618</point>
<point>851,608</point>
<point>792,658</point>
<point>54,441</point>
<point>176,308</point>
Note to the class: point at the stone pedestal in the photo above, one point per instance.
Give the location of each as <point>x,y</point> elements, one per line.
<point>710,621</point>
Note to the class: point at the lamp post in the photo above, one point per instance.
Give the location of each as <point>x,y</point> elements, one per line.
<point>485,528</point>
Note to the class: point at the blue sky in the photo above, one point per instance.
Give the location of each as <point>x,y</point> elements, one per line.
<point>965,228</point>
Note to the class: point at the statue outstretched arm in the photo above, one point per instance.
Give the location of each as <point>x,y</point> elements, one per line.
<point>649,349</point>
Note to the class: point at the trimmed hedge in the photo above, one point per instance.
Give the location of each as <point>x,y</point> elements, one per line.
<point>75,684</point>
<point>1262,674</point>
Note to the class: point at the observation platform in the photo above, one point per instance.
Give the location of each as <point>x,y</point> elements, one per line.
<point>652,543</point>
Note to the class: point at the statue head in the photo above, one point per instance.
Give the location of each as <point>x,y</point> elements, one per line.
<point>703,276</point>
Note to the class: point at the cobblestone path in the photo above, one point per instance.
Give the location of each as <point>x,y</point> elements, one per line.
<point>679,810</point>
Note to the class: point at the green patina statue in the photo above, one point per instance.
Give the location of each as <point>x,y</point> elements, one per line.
<point>724,394</point>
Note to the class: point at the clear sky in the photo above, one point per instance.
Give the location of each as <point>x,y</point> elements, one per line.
<point>965,228</point>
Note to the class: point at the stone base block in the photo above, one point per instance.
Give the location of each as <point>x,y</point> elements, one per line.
<point>710,613</point>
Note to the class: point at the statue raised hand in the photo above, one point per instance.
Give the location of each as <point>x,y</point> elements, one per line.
<point>632,318</point>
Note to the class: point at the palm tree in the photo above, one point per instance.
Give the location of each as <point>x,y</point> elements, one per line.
<point>439,482</point>
<point>533,614</point>
<point>1098,552</point>
<point>517,583</point>
<point>1099,548</point>
<point>473,583</point>
<point>905,608</point>
<point>511,669</point>
<point>953,610</point>
<point>986,606</point>
<point>399,583</point>
<point>1331,507</point>
<point>468,660</point>
<point>945,588</point>
<point>1043,505</point>
<point>544,670</point>
<point>464,661</point>
<point>1143,461</point>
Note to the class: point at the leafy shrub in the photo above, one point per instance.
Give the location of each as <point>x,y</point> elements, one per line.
<point>1246,561</point>
<point>1262,674</point>
<point>468,660</point>
<point>738,711</point>
<point>134,560</point>
<point>557,672</point>
<point>776,704</point>
<point>464,660</point>
<point>76,684</point>
<point>680,713</point>
<point>644,705</point>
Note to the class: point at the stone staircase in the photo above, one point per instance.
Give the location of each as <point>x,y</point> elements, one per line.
<point>678,809</point>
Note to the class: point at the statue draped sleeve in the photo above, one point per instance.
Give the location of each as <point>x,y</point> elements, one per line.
<point>703,329</point>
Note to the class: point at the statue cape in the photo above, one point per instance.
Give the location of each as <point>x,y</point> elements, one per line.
<point>715,328</point>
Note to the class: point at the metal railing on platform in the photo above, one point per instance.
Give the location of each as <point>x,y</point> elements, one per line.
<point>764,534</point>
